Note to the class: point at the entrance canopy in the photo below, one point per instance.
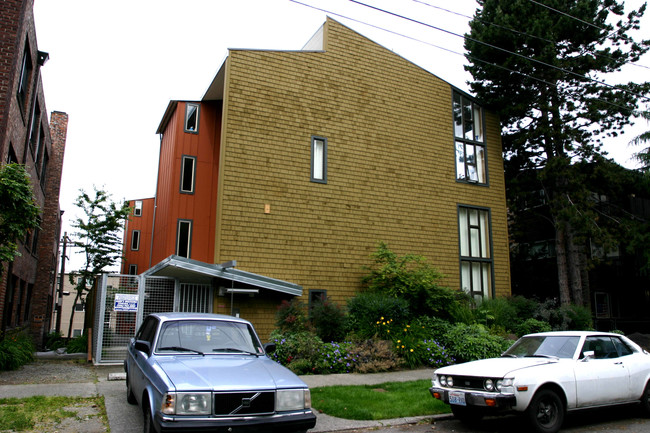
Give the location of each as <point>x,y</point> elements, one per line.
<point>188,270</point>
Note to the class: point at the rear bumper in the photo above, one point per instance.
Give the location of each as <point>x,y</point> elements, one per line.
<point>302,420</point>
<point>478,399</point>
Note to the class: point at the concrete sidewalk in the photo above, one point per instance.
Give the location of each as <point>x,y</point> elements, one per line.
<point>126,418</point>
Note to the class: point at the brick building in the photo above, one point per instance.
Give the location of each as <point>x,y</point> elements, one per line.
<point>296,164</point>
<point>26,137</point>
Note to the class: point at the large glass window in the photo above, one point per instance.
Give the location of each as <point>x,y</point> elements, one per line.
<point>184,238</point>
<point>192,118</point>
<point>469,138</point>
<point>319,159</point>
<point>188,165</point>
<point>475,251</point>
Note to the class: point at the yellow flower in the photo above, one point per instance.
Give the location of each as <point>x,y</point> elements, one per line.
<point>381,318</point>
<point>402,346</point>
<point>399,341</point>
<point>411,350</point>
<point>404,329</point>
<point>388,330</point>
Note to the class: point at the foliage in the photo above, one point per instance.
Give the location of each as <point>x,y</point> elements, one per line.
<point>44,413</point>
<point>294,346</point>
<point>566,317</point>
<point>411,278</point>
<point>54,340</point>
<point>376,402</point>
<point>436,355</point>
<point>373,356</point>
<point>531,326</point>
<point>434,328</point>
<point>334,358</point>
<point>329,320</point>
<point>19,212</point>
<point>472,342</point>
<point>291,316</point>
<point>78,344</point>
<point>366,308</point>
<point>16,350</point>
<point>98,235</point>
<point>643,156</point>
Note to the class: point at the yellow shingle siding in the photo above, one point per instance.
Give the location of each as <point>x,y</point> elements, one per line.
<point>390,166</point>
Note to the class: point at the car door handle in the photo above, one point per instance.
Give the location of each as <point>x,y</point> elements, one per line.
<point>618,363</point>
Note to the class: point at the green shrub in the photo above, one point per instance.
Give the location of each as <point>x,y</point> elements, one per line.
<point>54,340</point>
<point>434,328</point>
<point>472,342</point>
<point>566,317</point>
<point>291,316</point>
<point>329,321</point>
<point>530,326</point>
<point>78,344</point>
<point>497,313</point>
<point>294,346</point>
<point>16,350</point>
<point>334,358</point>
<point>373,356</point>
<point>365,309</point>
<point>578,317</point>
<point>436,355</point>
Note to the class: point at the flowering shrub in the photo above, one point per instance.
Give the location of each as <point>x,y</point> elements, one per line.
<point>292,347</point>
<point>436,355</point>
<point>16,350</point>
<point>291,317</point>
<point>335,358</point>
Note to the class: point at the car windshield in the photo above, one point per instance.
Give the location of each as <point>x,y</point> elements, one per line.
<point>544,346</point>
<point>207,337</point>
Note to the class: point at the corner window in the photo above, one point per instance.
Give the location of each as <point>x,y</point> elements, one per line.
<point>137,209</point>
<point>188,166</point>
<point>184,238</point>
<point>192,118</point>
<point>319,159</point>
<point>135,240</point>
<point>475,252</point>
<point>469,139</point>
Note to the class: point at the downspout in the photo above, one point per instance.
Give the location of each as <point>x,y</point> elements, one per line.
<point>155,204</point>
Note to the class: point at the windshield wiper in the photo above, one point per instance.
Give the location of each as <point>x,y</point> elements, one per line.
<point>509,355</point>
<point>181,349</point>
<point>540,355</point>
<point>233,350</point>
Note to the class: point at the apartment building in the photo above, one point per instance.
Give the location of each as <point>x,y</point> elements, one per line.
<point>296,164</point>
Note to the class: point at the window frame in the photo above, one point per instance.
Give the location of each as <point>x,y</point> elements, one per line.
<point>133,269</point>
<point>465,146</point>
<point>24,79</point>
<point>135,240</point>
<point>188,106</point>
<point>137,208</point>
<point>182,186</point>
<point>315,164</point>
<point>188,245</point>
<point>476,263</point>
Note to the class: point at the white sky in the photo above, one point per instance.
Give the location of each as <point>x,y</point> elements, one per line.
<point>115,65</point>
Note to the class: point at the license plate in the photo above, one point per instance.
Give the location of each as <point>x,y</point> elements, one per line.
<point>457,398</point>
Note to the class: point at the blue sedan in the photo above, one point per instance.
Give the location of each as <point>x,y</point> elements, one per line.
<point>208,372</point>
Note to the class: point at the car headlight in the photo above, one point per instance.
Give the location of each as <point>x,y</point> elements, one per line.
<point>442,380</point>
<point>187,403</point>
<point>488,385</point>
<point>504,383</point>
<point>292,399</point>
<point>450,381</point>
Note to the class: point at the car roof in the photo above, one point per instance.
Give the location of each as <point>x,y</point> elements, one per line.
<point>197,316</point>
<point>573,333</point>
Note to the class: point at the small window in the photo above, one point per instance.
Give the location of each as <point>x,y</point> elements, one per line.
<point>79,306</point>
<point>25,74</point>
<point>469,136</point>
<point>192,118</point>
<point>133,269</point>
<point>187,174</point>
<point>137,209</point>
<point>76,333</point>
<point>135,240</point>
<point>184,238</point>
<point>319,159</point>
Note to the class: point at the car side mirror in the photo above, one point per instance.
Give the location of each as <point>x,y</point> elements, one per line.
<point>143,346</point>
<point>270,347</point>
<point>588,354</point>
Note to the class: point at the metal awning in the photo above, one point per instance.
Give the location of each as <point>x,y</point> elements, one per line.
<point>188,270</point>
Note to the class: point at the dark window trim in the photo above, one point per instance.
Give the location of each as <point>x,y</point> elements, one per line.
<point>469,259</point>
<point>137,211</point>
<point>313,293</point>
<point>466,141</point>
<point>189,236</point>
<point>133,269</point>
<point>198,113</point>
<point>182,185</point>
<point>323,179</point>
<point>135,240</point>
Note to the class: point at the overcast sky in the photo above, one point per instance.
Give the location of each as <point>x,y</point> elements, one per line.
<point>115,65</point>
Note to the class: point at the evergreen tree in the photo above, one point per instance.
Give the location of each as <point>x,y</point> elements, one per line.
<point>541,67</point>
<point>98,235</point>
<point>643,156</point>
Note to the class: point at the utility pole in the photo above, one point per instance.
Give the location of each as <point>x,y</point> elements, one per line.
<point>59,302</point>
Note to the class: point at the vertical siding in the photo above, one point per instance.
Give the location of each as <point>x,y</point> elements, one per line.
<point>144,224</point>
<point>391,166</point>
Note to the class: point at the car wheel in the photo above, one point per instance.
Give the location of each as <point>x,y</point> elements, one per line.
<point>546,412</point>
<point>130,397</point>
<point>467,415</point>
<point>148,420</point>
<point>645,401</point>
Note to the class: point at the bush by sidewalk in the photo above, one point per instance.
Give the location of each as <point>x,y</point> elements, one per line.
<point>16,349</point>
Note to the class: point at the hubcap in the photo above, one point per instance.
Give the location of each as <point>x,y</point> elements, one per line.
<point>547,412</point>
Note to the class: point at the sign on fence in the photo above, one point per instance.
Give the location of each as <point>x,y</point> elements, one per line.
<point>126,302</point>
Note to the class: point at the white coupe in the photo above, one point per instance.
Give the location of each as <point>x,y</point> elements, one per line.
<point>547,374</point>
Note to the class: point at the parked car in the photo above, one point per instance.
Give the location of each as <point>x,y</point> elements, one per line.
<point>208,372</point>
<point>545,375</point>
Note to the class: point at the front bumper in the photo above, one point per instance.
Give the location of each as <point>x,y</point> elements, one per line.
<point>478,398</point>
<point>302,420</point>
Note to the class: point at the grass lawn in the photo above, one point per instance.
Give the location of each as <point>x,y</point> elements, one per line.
<point>373,402</point>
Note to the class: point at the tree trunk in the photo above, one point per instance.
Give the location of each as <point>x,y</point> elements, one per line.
<point>573,261</point>
<point>562,267</point>
<point>76,298</point>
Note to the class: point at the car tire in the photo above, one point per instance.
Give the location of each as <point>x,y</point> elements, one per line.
<point>467,415</point>
<point>130,397</point>
<point>545,412</point>
<point>645,401</point>
<point>147,422</point>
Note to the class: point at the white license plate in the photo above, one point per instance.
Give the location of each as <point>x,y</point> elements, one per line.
<point>457,398</point>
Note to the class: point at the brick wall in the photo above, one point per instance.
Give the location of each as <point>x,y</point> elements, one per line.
<point>391,166</point>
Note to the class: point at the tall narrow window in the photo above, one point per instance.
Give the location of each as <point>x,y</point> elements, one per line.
<point>471,164</point>
<point>475,251</point>
<point>192,118</point>
<point>135,240</point>
<point>187,174</point>
<point>46,161</point>
<point>133,269</point>
<point>25,74</point>
<point>137,209</point>
<point>319,159</point>
<point>184,238</point>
